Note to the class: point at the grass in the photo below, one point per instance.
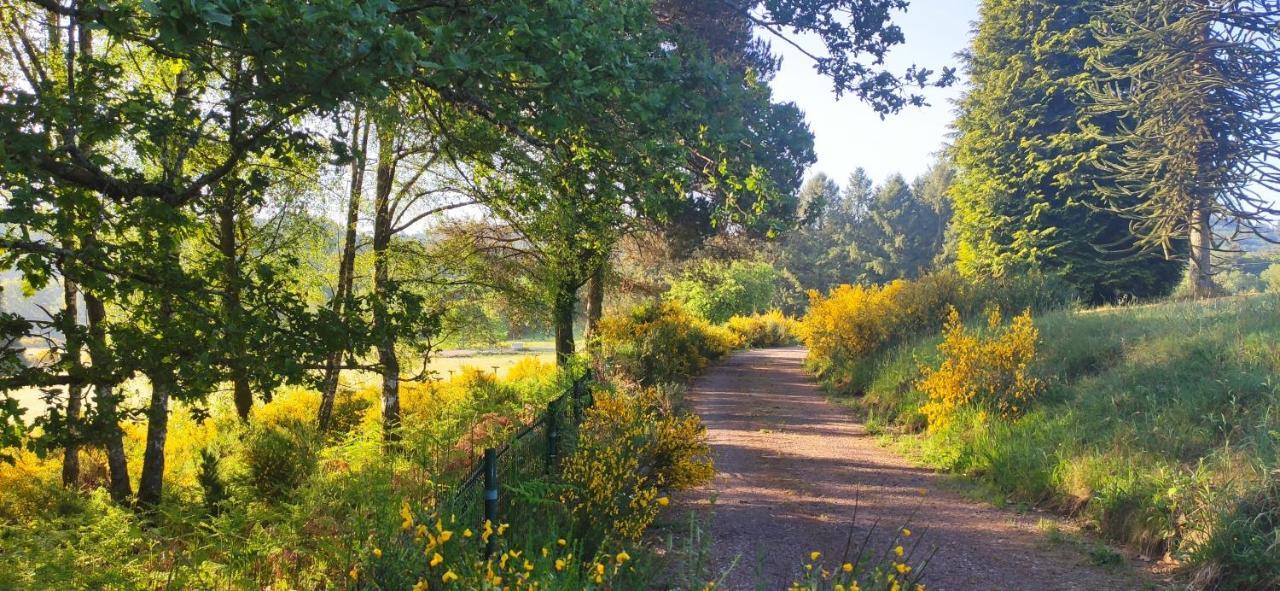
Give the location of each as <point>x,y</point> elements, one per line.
<point>1160,428</point>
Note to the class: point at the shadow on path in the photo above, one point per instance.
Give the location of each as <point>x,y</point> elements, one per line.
<point>791,466</point>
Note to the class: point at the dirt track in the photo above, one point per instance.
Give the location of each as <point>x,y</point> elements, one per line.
<point>790,465</point>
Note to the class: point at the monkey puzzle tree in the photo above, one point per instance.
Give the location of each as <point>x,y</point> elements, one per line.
<point>1198,83</point>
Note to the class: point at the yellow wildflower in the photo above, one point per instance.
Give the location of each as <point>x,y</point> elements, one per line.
<point>436,559</point>
<point>377,552</point>
<point>898,551</point>
<point>623,557</point>
<point>466,533</point>
<point>407,514</point>
<point>445,536</point>
<point>561,542</point>
<point>559,564</point>
<point>846,567</point>
<point>355,572</point>
<point>815,555</point>
<point>663,501</point>
<point>420,586</point>
<point>906,532</point>
<point>449,576</point>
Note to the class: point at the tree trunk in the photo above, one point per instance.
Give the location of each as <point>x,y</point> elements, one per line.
<point>163,382</point>
<point>107,402</point>
<point>151,485</point>
<point>71,310</point>
<point>232,310</point>
<point>562,318</point>
<point>1200,269</point>
<point>382,223</point>
<point>595,304</point>
<point>346,267</point>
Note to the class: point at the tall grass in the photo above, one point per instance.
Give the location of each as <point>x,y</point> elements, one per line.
<point>1159,426</point>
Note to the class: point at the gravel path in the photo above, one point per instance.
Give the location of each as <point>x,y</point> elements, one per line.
<point>790,465</point>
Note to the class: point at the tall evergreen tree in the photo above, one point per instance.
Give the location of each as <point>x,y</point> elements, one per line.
<point>1028,159</point>
<point>1200,82</point>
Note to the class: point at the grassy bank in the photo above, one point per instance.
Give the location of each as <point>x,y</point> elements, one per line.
<point>1159,425</point>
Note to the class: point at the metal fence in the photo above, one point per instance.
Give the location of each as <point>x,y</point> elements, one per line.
<point>534,451</point>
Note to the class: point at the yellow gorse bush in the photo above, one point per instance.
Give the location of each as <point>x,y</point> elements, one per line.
<point>770,329</point>
<point>661,343</point>
<point>988,369</point>
<point>632,445</point>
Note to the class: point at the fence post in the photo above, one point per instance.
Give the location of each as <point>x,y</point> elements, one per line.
<point>491,498</point>
<point>553,434</point>
<point>577,401</point>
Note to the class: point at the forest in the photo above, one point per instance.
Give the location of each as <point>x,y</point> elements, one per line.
<point>399,294</point>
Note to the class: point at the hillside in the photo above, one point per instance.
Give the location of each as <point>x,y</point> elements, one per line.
<point>1159,427</point>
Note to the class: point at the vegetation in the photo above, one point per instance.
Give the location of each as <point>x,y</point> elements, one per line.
<point>1155,424</point>
<point>236,236</point>
<point>1029,159</point>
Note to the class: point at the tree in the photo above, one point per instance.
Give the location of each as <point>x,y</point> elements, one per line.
<point>932,189</point>
<point>1029,159</point>
<point>1198,85</point>
<point>717,291</point>
<point>135,135</point>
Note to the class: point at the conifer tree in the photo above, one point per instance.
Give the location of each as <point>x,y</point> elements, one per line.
<point>1028,158</point>
<point>1198,84</point>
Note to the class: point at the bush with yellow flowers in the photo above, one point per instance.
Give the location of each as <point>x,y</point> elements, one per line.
<point>770,329</point>
<point>897,567</point>
<point>631,446</point>
<point>848,329</point>
<point>655,343</point>
<point>990,370</point>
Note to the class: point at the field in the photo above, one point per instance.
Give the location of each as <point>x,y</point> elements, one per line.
<point>1159,428</point>
<point>445,364</point>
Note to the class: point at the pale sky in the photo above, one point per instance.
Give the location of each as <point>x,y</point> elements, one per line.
<point>848,133</point>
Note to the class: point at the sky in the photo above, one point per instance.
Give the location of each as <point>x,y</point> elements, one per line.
<point>847,132</point>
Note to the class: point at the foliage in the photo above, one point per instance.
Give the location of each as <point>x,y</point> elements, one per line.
<point>848,330</point>
<point>1200,83</point>
<point>655,343</point>
<point>211,481</point>
<point>1240,552</point>
<point>716,291</point>
<point>988,370</point>
<point>868,234</point>
<point>1184,473</point>
<point>632,445</point>
<point>279,458</point>
<point>1028,158</point>
<point>771,329</point>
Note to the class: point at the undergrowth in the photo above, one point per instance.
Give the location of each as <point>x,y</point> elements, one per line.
<point>1158,426</point>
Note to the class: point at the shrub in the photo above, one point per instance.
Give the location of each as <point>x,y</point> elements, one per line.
<point>716,291</point>
<point>990,371</point>
<point>279,458</point>
<point>852,325</point>
<point>660,343</point>
<point>771,329</point>
<point>210,478</point>
<point>631,446</point>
